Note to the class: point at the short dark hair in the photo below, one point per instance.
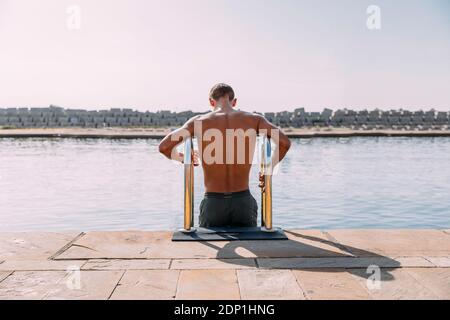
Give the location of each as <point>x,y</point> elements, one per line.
<point>221,90</point>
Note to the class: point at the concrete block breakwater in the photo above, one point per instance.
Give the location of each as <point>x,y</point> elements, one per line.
<point>57,117</point>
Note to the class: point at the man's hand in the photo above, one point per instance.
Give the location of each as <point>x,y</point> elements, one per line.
<point>195,158</point>
<point>262,181</point>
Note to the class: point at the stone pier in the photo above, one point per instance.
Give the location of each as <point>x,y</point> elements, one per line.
<point>365,120</point>
<point>312,264</point>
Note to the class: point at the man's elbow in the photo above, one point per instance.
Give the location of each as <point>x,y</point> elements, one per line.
<point>286,144</point>
<point>163,149</point>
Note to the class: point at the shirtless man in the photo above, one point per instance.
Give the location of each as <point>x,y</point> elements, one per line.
<point>226,161</point>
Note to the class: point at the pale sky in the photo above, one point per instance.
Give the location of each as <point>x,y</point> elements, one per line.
<point>277,54</point>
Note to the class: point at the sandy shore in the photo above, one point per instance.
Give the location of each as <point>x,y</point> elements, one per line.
<point>157,133</point>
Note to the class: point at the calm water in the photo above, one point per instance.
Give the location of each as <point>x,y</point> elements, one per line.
<point>69,184</point>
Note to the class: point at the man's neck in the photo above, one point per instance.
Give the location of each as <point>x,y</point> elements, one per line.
<point>226,108</point>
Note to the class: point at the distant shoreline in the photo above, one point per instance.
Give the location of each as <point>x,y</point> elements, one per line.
<point>159,133</point>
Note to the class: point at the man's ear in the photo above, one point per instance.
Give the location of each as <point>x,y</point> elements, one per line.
<point>212,103</point>
<point>234,102</point>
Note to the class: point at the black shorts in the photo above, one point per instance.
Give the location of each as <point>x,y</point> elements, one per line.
<point>237,209</point>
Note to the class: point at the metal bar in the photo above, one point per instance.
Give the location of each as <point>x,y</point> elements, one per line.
<point>266,192</point>
<point>188,185</point>
<point>262,170</point>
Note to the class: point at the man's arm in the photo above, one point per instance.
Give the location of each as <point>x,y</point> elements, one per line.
<point>277,135</point>
<point>168,145</point>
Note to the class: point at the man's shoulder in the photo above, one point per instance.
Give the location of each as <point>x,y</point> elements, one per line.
<point>203,116</point>
<point>197,117</point>
<point>252,115</point>
<point>255,117</point>
<point>213,116</point>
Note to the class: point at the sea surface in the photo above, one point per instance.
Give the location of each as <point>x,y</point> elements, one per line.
<point>95,184</point>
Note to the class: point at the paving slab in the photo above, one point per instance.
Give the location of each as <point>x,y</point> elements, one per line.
<point>59,285</point>
<point>41,265</point>
<point>208,284</point>
<point>268,285</point>
<point>342,262</point>
<point>442,262</point>
<point>147,285</point>
<point>4,275</point>
<point>279,248</point>
<point>394,242</point>
<point>32,245</point>
<point>317,239</point>
<point>93,285</point>
<point>327,284</point>
<point>30,285</point>
<point>128,264</point>
<point>395,284</point>
<point>415,264</point>
<point>213,264</point>
<point>301,243</point>
<point>136,245</point>
<point>437,280</point>
<point>139,244</point>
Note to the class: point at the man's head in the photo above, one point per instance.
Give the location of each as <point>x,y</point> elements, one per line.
<point>222,95</point>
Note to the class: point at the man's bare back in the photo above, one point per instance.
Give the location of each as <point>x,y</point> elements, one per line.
<point>228,176</point>
<point>226,139</point>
